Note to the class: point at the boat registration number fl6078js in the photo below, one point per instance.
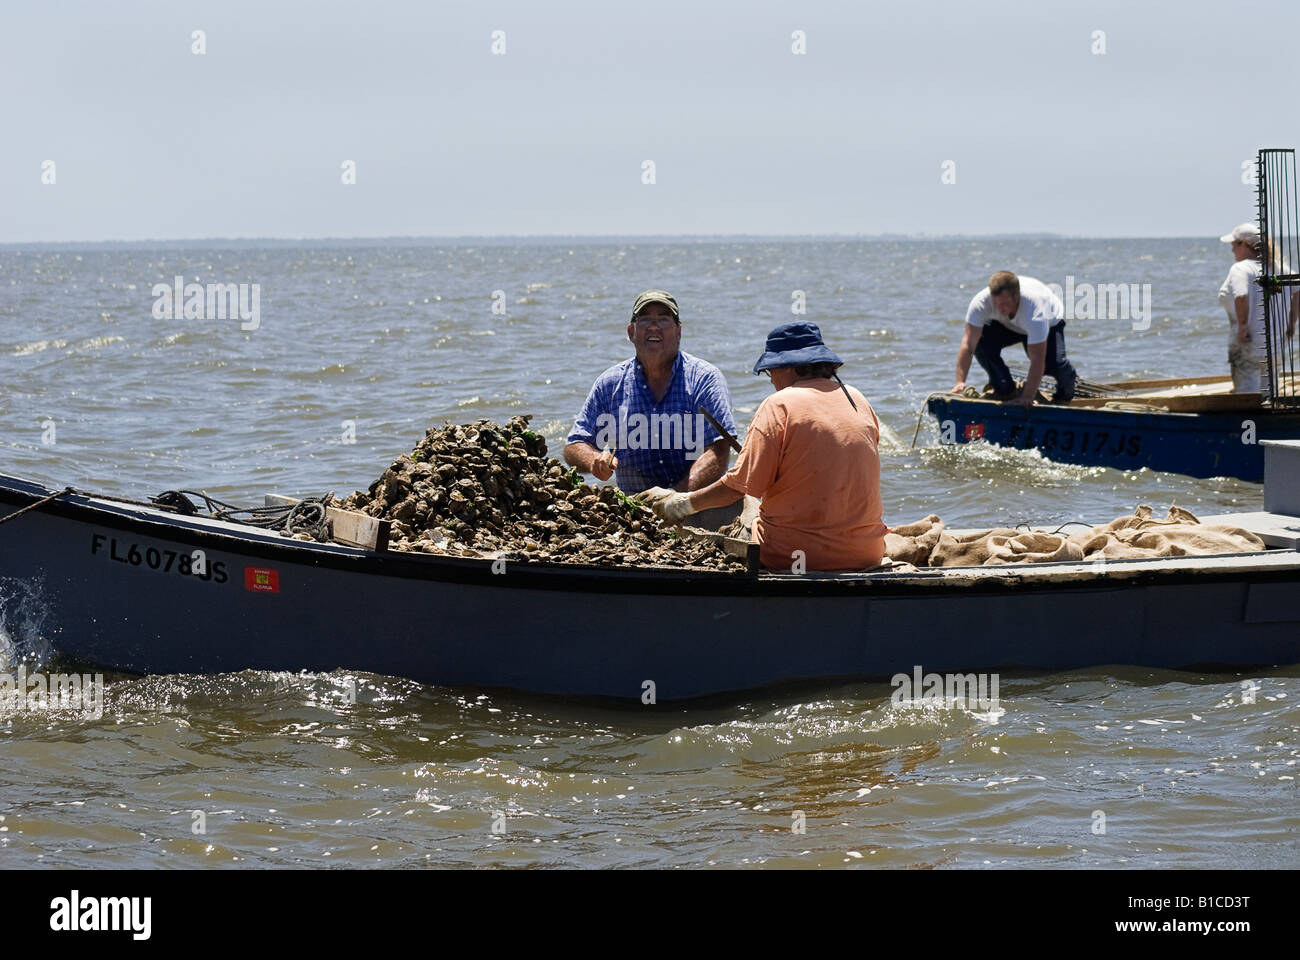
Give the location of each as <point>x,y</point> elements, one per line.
<point>193,564</point>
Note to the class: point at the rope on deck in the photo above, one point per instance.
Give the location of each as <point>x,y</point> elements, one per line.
<point>920,413</point>
<point>39,503</point>
<point>309,515</point>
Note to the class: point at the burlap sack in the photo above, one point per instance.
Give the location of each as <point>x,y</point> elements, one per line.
<point>1179,534</point>
<point>913,542</point>
<point>1135,535</point>
<point>1033,547</point>
<point>968,549</point>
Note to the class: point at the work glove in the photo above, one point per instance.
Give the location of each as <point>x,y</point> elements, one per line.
<point>667,504</point>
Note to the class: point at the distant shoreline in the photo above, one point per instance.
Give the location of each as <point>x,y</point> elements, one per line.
<point>245,243</point>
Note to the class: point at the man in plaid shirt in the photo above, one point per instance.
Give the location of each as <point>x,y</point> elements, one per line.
<point>641,418</point>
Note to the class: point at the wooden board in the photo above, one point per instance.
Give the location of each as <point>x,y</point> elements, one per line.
<point>1186,403</point>
<point>1099,403</point>
<point>1127,385</point>
<point>1222,403</point>
<point>350,528</point>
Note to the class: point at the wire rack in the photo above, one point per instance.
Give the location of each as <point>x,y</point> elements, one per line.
<point>1279,260</point>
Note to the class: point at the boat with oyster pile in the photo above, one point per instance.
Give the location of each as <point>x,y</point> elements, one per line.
<point>149,588</point>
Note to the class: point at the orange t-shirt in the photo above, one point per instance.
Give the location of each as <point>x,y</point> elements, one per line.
<point>814,462</point>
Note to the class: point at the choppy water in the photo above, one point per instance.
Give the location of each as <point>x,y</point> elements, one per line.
<point>394,337</point>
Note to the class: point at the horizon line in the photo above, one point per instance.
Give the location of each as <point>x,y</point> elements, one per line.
<point>592,237</point>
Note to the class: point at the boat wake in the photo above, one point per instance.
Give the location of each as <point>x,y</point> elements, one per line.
<point>873,731</point>
<point>890,442</point>
<point>986,461</point>
<point>24,615</point>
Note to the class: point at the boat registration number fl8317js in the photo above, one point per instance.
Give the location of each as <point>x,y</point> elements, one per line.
<point>1100,441</point>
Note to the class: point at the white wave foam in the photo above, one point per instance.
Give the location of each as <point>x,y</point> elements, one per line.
<point>983,459</point>
<point>27,349</point>
<point>94,343</point>
<point>24,613</point>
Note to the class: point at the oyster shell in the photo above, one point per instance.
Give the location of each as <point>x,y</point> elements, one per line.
<point>488,489</point>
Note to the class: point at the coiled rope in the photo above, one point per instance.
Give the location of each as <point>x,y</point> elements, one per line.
<point>309,515</point>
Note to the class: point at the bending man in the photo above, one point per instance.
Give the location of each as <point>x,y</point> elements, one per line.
<point>1020,310</point>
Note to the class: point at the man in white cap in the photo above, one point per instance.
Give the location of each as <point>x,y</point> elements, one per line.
<point>1243,299</point>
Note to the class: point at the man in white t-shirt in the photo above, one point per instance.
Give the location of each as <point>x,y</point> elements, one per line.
<point>1020,310</point>
<point>1243,299</point>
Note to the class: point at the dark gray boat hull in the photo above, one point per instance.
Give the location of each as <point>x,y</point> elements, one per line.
<point>100,574</point>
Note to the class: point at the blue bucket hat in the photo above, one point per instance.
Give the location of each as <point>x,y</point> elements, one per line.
<point>792,344</point>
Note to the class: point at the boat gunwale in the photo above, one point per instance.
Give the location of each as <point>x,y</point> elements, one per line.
<point>1045,409</point>
<point>1273,565</point>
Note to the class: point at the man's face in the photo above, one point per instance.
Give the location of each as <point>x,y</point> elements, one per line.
<point>655,334</point>
<point>1007,303</point>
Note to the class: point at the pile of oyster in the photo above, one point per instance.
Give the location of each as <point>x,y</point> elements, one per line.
<point>487,490</point>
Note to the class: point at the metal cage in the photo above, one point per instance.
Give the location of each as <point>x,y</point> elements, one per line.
<point>1279,259</point>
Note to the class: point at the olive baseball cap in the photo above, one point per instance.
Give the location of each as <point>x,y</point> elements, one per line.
<point>655,296</point>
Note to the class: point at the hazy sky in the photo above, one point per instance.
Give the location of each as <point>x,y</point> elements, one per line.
<point>151,141</point>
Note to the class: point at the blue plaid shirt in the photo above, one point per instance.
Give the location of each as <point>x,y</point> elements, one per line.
<point>656,443</point>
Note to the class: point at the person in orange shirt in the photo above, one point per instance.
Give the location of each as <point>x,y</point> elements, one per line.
<point>811,455</point>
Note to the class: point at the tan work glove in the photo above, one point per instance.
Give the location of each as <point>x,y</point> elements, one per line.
<point>667,504</point>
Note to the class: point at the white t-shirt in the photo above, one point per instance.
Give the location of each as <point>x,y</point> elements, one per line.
<point>1039,310</point>
<point>1241,282</point>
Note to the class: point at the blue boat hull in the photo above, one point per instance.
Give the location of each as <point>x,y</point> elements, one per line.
<point>1195,444</point>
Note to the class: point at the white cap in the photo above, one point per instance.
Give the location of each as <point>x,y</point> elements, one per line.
<point>1246,231</point>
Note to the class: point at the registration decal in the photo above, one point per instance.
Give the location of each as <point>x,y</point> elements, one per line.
<point>261,580</point>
